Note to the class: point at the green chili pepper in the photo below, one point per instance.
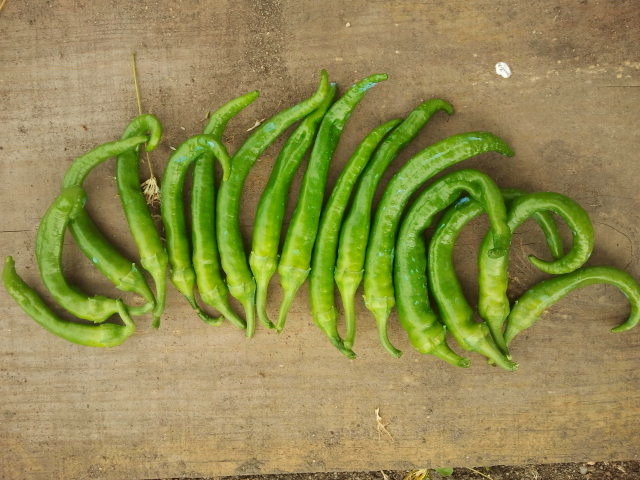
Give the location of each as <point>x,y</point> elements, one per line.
<point>454,310</point>
<point>153,256</point>
<point>219,119</point>
<point>104,335</point>
<point>49,244</point>
<point>267,226</point>
<point>448,230</point>
<point>378,275</point>
<point>172,211</point>
<point>354,232</point>
<point>324,254</point>
<point>206,258</point>
<point>425,332</point>
<point>232,255</point>
<point>544,220</point>
<point>533,302</point>
<point>301,234</point>
<point>82,166</point>
<point>120,271</point>
<point>493,278</point>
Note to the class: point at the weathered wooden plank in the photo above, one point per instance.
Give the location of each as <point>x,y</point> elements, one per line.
<point>191,400</point>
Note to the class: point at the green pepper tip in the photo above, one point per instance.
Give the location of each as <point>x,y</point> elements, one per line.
<point>447,107</point>
<point>464,363</point>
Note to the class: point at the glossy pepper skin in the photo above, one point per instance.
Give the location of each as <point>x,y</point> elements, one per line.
<point>378,274</point>
<point>324,254</point>
<point>120,271</point>
<point>124,274</point>
<point>537,299</point>
<point>49,245</point>
<point>153,256</point>
<point>267,226</point>
<point>425,332</point>
<point>295,261</point>
<point>172,210</point>
<point>240,281</point>
<point>206,256</point>
<point>454,310</point>
<point>493,276</point>
<point>354,233</point>
<point>446,233</point>
<point>103,335</point>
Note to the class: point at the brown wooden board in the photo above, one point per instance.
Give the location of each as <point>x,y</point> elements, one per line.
<point>192,400</point>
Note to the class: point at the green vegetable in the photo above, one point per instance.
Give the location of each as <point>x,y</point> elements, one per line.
<point>533,302</point>
<point>232,255</point>
<point>269,216</point>
<point>120,271</point>
<point>493,278</point>
<point>448,230</point>
<point>378,274</point>
<point>426,333</point>
<point>172,210</point>
<point>324,255</point>
<point>454,310</point>
<point>211,285</point>
<point>104,335</point>
<point>49,244</point>
<point>296,254</point>
<point>153,256</point>
<point>354,232</point>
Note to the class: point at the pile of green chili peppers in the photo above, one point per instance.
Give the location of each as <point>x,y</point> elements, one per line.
<point>342,238</point>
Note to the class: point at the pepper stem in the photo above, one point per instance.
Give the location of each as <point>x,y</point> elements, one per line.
<point>348,295</point>
<point>204,316</point>
<point>382,321</point>
<point>444,352</point>
<point>494,354</point>
<point>289,295</point>
<point>262,290</point>
<point>249,307</point>
<point>338,343</point>
<point>227,312</point>
<point>160,280</point>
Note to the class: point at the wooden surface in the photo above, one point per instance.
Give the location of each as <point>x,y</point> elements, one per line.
<point>192,400</point>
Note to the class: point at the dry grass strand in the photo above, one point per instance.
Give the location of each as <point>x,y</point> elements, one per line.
<point>381,426</point>
<point>150,186</point>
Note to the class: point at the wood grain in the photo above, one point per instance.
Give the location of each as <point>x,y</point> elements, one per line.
<point>191,400</point>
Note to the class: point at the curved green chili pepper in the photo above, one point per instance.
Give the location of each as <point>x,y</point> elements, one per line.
<point>378,274</point>
<point>354,232</point>
<point>447,293</point>
<point>104,335</point>
<point>544,220</point>
<point>528,308</point>
<point>49,243</point>
<point>448,230</point>
<point>123,273</point>
<point>232,255</point>
<point>267,226</point>
<point>324,254</point>
<point>120,271</point>
<point>206,257</point>
<point>82,166</point>
<point>425,332</point>
<point>172,211</point>
<point>219,119</point>
<point>153,256</point>
<point>493,277</point>
<point>301,234</point>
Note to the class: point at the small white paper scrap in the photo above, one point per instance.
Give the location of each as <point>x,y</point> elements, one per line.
<point>503,70</point>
